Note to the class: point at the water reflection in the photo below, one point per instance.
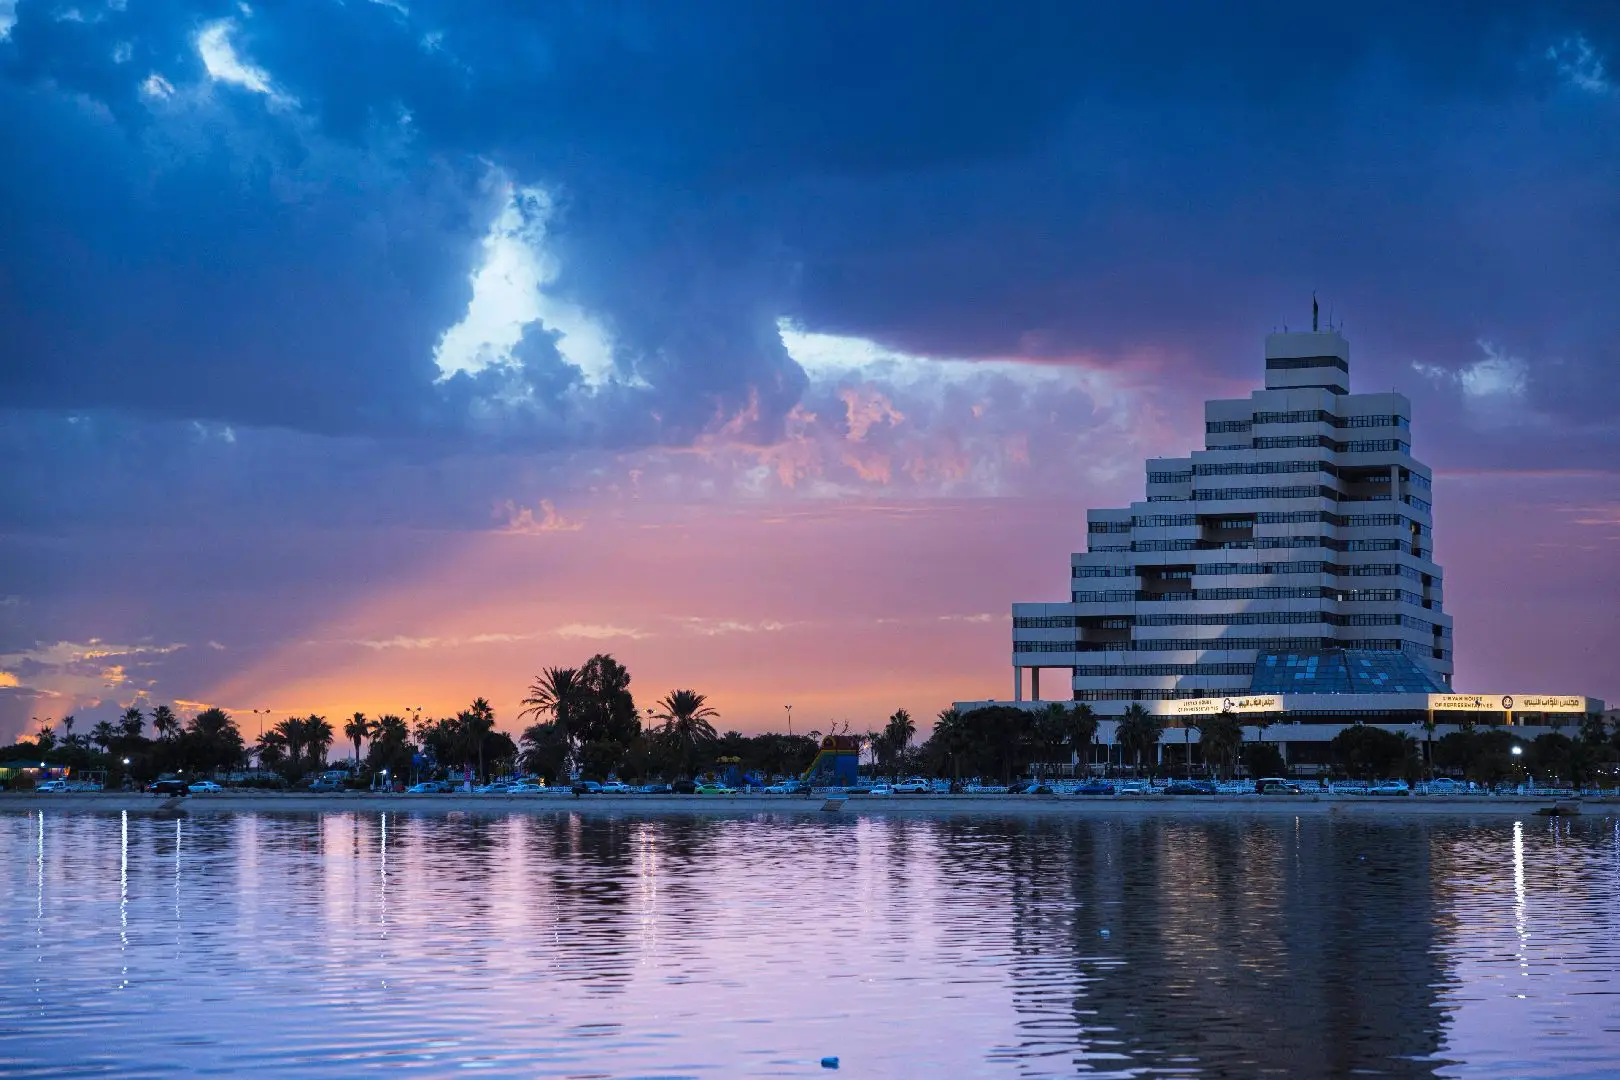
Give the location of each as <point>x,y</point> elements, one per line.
<point>564,943</point>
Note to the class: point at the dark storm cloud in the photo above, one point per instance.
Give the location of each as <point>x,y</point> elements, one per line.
<point>950,178</point>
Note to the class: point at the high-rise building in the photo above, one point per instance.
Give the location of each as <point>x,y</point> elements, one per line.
<point>1294,553</point>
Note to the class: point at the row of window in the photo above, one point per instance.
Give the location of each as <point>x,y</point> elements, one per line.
<point>1169,477</point>
<point>1351,446</point>
<point>1258,592</point>
<point>1269,517</point>
<point>1137,671</point>
<point>1303,416</point>
<point>1237,618</point>
<point>1303,491</point>
<point>1227,569</point>
<point>1262,543</point>
<point>1210,644</point>
<point>1297,363</point>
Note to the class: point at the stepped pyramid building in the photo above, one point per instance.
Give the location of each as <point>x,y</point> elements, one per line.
<point>1287,567</point>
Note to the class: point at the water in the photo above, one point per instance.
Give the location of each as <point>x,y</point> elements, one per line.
<point>585,946</point>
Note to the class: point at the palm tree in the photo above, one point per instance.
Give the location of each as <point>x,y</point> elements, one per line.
<point>474,724</point>
<point>289,735</point>
<point>131,723</point>
<point>685,716</point>
<point>897,735</point>
<point>1082,730</point>
<point>1189,725</point>
<point>317,737</point>
<point>67,725</point>
<point>103,735</point>
<point>271,749</point>
<point>164,723</point>
<point>1139,732</point>
<point>558,693</point>
<point>356,729</point>
<point>1222,737</point>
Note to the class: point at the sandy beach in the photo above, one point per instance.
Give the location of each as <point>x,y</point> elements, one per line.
<point>856,805</point>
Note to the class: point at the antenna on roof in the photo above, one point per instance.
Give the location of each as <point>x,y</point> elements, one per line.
<point>1315,311</point>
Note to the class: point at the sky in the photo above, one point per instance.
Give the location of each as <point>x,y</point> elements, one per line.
<point>375,355</point>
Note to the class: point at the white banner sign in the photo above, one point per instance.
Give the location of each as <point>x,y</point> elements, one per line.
<point>1208,706</point>
<point>1507,703</point>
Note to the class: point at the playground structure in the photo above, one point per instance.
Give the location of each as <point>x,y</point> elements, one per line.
<point>837,763</point>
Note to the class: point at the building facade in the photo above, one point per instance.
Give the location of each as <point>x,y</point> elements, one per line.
<point>1300,538</point>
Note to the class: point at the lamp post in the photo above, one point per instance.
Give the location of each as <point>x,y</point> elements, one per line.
<point>789,709</point>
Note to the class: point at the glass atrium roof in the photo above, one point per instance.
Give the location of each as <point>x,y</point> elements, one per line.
<point>1341,671</point>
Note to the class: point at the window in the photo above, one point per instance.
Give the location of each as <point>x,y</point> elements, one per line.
<point>1159,521</point>
<point>1297,363</point>
<point>1169,477</point>
<point>1103,571</point>
<point>1419,480</point>
<point>1292,442</point>
<point>1234,644</point>
<point>1111,596</point>
<point>1374,446</point>
<point>1044,646</point>
<point>1238,468</point>
<point>1413,500</point>
<point>1165,498</point>
<point>1045,622</point>
<point>1304,491</point>
<point>1225,427</point>
<point>1108,547</point>
<point>1108,526</point>
<point>1101,671</point>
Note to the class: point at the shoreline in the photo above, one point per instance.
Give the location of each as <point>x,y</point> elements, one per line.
<point>916,806</point>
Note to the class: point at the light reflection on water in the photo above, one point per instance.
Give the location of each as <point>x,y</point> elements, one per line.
<point>586,945</point>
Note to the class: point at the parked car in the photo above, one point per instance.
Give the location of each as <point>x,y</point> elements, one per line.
<point>916,785</point>
<point>880,790</point>
<point>1446,786</point>
<point>205,787</point>
<point>1095,787</point>
<point>426,787</point>
<point>1276,785</point>
<point>1135,788</point>
<point>322,783</point>
<point>586,787</point>
<point>614,787</point>
<point>1390,787</point>
<point>167,787</point>
<point>525,787</point>
<point>715,789</point>
<point>53,787</point>
<point>683,787</point>
<point>1191,787</point>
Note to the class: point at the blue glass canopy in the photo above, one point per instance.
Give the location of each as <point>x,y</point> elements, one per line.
<point>1341,671</point>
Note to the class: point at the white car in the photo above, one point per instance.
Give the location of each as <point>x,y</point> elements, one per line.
<point>204,787</point>
<point>881,789</point>
<point>523,787</point>
<point>53,787</point>
<point>914,786</point>
<point>1390,787</point>
<point>613,787</point>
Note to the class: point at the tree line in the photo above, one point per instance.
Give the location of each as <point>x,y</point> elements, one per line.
<point>584,720</point>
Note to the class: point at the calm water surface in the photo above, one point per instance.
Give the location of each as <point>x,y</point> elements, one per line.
<point>574,945</point>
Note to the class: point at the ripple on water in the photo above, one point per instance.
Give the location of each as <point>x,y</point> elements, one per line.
<point>568,945</point>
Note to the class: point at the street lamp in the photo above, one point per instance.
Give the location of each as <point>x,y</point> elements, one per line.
<point>1517,750</point>
<point>789,709</point>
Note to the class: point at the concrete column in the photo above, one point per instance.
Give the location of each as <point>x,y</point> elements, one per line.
<point>1034,684</point>
<point>1018,683</point>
